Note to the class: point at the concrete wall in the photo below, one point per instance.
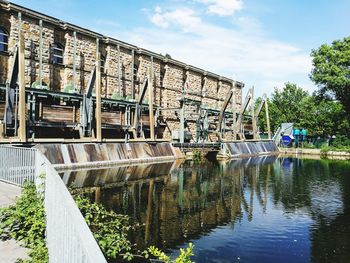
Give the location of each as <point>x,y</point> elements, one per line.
<point>125,65</point>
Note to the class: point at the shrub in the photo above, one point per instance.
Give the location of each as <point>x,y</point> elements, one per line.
<point>25,221</point>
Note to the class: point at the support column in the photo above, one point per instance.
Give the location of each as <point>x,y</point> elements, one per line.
<point>267,120</point>
<point>150,103</point>
<point>182,121</point>
<point>21,91</point>
<point>119,74</point>
<point>41,54</point>
<point>74,60</point>
<point>132,74</point>
<point>234,111</point>
<point>98,94</point>
<point>252,105</point>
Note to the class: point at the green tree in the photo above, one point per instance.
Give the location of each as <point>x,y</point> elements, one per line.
<point>293,104</point>
<point>331,71</point>
<point>285,105</point>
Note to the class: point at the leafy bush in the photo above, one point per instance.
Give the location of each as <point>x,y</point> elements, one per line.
<point>25,221</point>
<point>341,141</point>
<point>111,233</point>
<point>309,146</point>
<point>335,149</point>
<point>109,229</point>
<point>184,257</point>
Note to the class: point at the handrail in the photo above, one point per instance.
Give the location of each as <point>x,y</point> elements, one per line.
<point>68,236</point>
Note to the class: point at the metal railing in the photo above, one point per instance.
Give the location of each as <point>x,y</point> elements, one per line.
<point>17,164</point>
<point>68,237</point>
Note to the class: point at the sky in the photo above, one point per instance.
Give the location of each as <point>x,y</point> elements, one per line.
<point>262,43</point>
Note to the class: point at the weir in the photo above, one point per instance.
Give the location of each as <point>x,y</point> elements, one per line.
<point>63,156</point>
<point>249,148</point>
<point>80,155</point>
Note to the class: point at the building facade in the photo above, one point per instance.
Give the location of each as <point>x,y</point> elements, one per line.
<point>61,56</point>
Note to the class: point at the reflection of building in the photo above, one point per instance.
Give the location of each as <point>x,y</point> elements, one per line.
<point>185,202</point>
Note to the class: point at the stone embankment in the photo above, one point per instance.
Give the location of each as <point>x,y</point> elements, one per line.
<point>316,152</point>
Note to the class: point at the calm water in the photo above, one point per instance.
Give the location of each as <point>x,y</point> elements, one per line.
<point>252,210</point>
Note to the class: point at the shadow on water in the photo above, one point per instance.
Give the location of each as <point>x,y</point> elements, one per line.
<point>262,209</point>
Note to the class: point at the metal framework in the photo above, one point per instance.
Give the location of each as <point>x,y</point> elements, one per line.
<point>28,109</point>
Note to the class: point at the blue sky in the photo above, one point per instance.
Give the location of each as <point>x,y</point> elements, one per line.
<point>264,43</point>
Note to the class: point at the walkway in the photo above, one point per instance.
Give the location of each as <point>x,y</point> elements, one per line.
<point>10,250</point>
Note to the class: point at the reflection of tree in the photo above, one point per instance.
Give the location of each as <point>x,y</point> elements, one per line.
<point>309,182</point>
<point>331,238</point>
<point>292,179</point>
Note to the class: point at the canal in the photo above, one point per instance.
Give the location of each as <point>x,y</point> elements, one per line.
<point>263,209</point>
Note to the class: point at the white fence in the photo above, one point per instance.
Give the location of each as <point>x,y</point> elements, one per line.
<point>17,164</point>
<point>68,237</point>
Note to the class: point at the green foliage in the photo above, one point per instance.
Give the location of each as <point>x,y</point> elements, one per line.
<point>326,149</point>
<point>340,141</point>
<point>331,71</point>
<point>111,233</point>
<point>319,117</point>
<point>184,257</point>
<point>284,106</point>
<point>109,229</point>
<point>309,146</point>
<point>25,222</point>
<point>197,156</point>
<point>156,252</point>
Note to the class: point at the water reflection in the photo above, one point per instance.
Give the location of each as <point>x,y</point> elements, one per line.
<point>264,209</point>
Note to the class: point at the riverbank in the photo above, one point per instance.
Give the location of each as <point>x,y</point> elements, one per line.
<point>331,154</point>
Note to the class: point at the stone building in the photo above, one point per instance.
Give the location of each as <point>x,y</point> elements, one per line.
<point>68,55</point>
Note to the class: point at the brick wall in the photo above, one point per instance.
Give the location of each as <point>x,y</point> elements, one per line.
<point>124,70</point>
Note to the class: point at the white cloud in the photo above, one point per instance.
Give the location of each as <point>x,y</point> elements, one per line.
<point>185,18</point>
<point>223,7</point>
<point>242,52</point>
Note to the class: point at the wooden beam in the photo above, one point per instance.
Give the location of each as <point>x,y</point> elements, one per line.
<point>222,114</point>
<point>234,111</point>
<point>98,97</point>
<point>41,54</point>
<point>267,120</point>
<point>150,103</point>
<point>22,91</point>
<point>252,105</point>
<point>240,116</point>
